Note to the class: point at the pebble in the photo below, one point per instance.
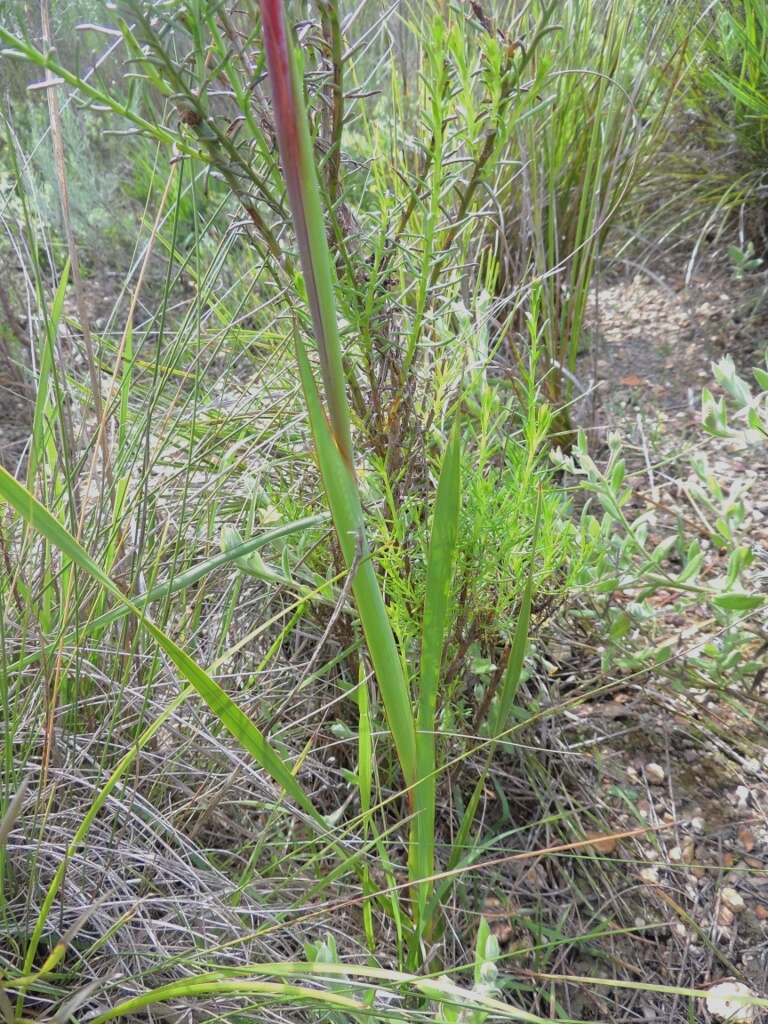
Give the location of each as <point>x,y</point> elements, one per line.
<point>723,1006</point>
<point>741,797</point>
<point>732,900</point>
<point>654,773</point>
<point>724,916</point>
<point>698,824</point>
<point>684,854</point>
<point>650,875</point>
<point>747,840</point>
<point>600,842</point>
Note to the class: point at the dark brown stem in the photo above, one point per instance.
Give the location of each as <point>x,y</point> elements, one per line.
<point>329,13</point>
<point>491,689</point>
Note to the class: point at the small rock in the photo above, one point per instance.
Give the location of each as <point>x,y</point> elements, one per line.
<point>689,851</point>
<point>601,843</point>
<point>724,916</point>
<point>732,899</point>
<point>697,824</point>
<point>654,773</point>
<point>728,859</point>
<point>650,875</point>
<point>725,1001</point>
<point>741,797</point>
<point>752,765</point>
<point>675,855</point>
<point>747,840</point>
<point>761,912</point>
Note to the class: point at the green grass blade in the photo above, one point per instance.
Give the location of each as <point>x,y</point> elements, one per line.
<point>440,563</point>
<point>230,715</point>
<point>511,681</point>
<point>191,987</point>
<point>179,583</point>
<point>347,513</point>
<point>40,428</point>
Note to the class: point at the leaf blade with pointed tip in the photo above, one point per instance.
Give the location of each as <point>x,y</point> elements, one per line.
<point>225,709</point>
<point>440,564</point>
<point>347,513</point>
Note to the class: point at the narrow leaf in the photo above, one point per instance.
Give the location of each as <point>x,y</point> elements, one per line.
<point>440,563</point>
<point>230,715</point>
<point>738,602</point>
<point>302,183</point>
<point>511,681</point>
<point>347,513</point>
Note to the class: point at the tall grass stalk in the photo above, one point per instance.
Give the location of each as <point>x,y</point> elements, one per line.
<point>413,735</point>
<point>577,161</point>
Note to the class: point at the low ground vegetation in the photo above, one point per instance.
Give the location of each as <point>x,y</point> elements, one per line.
<point>383,415</point>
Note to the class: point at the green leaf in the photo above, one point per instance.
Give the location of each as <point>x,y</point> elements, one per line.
<point>230,715</point>
<point>727,378</point>
<point>511,680</point>
<point>736,601</point>
<point>346,510</point>
<point>302,184</point>
<point>440,564</point>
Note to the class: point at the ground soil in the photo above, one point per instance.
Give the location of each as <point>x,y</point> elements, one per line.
<point>654,338</point>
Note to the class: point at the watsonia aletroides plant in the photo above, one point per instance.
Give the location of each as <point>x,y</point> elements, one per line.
<point>332,435</point>
<point>412,732</point>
